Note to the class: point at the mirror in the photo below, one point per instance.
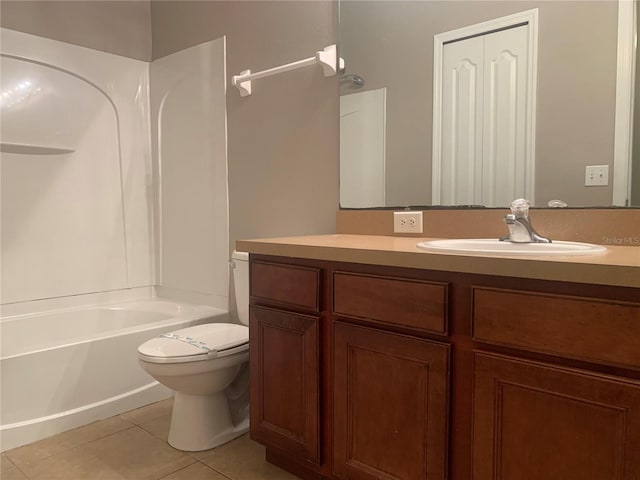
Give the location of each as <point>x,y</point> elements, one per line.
<point>388,79</point>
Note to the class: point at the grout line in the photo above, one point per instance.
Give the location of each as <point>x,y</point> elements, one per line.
<point>103,437</point>
<point>160,437</point>
<point>6,458</point>
<point>142,408</point>
<point>215,470</point>
<point>179,469</point>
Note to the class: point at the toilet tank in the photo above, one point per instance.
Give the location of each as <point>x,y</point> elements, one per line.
<point>240,263</point>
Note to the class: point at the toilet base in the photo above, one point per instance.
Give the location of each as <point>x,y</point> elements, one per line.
<point>202,422</point>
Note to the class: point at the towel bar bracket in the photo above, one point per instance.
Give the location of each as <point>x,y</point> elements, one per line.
<point>326,58</point>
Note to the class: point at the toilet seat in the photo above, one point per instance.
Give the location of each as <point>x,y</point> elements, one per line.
<point>197,343</point>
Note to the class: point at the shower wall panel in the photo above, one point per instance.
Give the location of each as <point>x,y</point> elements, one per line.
<point>188,112</point>
<point>75,170</point>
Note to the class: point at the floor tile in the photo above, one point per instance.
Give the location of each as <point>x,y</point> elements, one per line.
<point>137,455</point>
<point>133,446</point>
<point>67,440</point>
<point>9,471</point>
<point>149,412</point>
<point>158,427</point>
<point>243,459</point>
<point>71,464</point>
<point>196,471</point>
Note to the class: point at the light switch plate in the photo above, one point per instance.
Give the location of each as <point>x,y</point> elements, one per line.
<point>596,175</point>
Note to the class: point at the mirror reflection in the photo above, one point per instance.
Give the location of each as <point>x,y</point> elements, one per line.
<point>448,103</point>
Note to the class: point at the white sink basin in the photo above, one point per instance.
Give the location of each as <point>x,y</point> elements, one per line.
<point>496,247</point>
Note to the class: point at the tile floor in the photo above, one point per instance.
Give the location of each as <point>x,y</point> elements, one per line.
<point>133,446</point>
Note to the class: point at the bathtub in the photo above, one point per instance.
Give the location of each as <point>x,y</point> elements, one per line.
<point>66,368</point>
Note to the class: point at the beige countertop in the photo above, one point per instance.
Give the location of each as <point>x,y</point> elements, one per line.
<point>619,266</point>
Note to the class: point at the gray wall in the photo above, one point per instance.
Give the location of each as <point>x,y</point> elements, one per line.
<point>390,43</point>
<point>282,140</point>
<point>120,27</point>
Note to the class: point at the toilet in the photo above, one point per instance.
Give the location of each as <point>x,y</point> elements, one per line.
<point>207,367</point>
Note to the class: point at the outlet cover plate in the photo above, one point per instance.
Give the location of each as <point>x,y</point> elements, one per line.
<point>407,222</point>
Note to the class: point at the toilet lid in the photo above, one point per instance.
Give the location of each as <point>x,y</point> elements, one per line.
<point>208,340</point>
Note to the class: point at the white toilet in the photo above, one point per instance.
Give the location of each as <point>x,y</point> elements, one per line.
<point>207,366</point>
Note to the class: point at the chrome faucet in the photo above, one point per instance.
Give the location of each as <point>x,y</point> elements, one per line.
<point>520,228</point>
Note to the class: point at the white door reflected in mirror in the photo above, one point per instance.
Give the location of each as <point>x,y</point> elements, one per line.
<point>484,111</point>
<point>362,148</point>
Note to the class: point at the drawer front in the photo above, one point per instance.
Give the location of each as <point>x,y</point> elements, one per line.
<point>581,328</point>
<point>410,303</point>
<point>287,284</point>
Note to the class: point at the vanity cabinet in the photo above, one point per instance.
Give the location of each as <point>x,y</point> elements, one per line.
<point>370,372</point>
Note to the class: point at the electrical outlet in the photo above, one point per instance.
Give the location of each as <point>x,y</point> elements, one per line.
<point>596,175</point>
<point>407,222</point>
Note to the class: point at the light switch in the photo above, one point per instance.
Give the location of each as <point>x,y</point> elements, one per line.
<point>596,175</point>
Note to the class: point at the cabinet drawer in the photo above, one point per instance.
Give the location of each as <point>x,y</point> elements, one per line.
<point>582,328</point>
<point>287,284</point>
<point>410,303</point>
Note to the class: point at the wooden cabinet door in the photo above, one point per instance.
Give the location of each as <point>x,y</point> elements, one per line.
<point>534,421</point>
<point>390,405</point>
<point>284,364</point>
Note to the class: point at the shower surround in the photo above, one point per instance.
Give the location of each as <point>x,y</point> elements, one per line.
<point>111,192</point>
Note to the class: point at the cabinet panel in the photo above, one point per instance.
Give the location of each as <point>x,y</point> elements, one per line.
<point>535,421</point>
<point>284,365</point>
<point>582,328</point>
<point>390,405</point>
<point>412,303</point>
<point>288,284</point>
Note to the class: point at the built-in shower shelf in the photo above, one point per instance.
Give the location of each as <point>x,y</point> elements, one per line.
<point>26,149</point>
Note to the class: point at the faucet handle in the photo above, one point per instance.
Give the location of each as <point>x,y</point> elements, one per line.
<point>510,219</point>
<point>520,207</point>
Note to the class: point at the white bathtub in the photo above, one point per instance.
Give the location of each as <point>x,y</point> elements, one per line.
<point>66,368</point>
